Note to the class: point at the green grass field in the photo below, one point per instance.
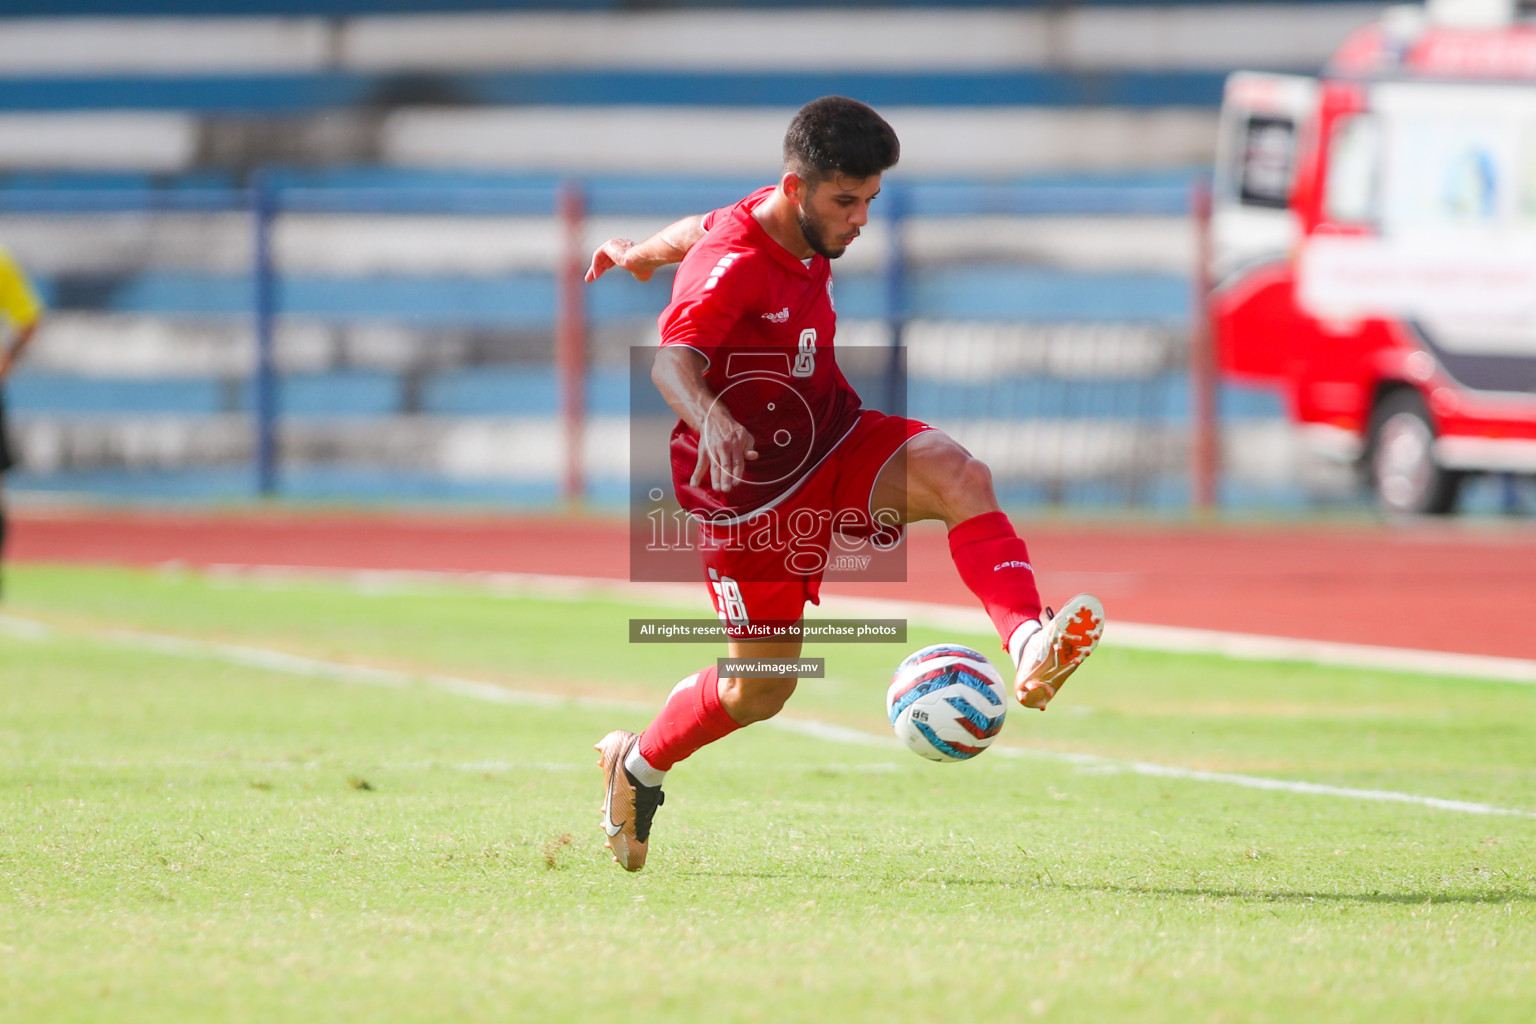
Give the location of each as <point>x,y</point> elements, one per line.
<point>189,836</point>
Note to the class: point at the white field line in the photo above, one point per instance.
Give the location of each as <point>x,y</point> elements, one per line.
<point>1140,636</point>
<point>479,767</point>
<point>277,661</point>
<point>1116,765</point>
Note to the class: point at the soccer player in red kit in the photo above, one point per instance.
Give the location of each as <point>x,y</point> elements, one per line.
<point>773,451</point>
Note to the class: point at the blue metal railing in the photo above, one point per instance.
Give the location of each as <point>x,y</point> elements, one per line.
<point>896,294</point>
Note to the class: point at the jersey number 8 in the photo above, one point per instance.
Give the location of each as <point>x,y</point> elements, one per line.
<point>805,360</point>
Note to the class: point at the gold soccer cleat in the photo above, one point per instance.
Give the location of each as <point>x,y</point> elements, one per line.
<point>628,806</point>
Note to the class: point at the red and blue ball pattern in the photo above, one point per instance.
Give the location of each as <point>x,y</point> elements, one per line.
<point>946,702</point>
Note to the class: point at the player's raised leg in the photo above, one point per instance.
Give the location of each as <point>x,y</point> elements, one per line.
<point>939,479</point>
<point>701,709</point>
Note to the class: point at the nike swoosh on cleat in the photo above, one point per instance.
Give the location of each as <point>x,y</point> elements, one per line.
<point>608,825</point>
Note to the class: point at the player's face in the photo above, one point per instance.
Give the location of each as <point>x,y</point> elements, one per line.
<point>833,213</point>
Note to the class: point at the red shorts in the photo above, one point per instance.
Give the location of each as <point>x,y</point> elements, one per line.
<point>763,567</point>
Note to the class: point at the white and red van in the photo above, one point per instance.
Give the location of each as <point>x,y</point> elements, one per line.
<point>1373,246</point>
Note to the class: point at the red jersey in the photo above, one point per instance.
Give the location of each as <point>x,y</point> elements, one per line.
<point>764,321</point>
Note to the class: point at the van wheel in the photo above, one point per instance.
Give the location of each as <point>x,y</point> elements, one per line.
<point>1400,461</point>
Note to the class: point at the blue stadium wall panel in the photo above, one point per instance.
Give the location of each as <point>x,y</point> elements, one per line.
<point>303,93</point>
<point>975,292</point>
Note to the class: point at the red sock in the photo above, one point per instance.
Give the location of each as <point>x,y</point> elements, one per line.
<point>691,718</point>
<point>994,563</point>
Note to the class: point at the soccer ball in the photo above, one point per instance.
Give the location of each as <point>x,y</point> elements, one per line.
<point>946,702</point>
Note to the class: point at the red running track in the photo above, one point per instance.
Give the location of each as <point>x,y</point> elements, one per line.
<point>1459,586</point>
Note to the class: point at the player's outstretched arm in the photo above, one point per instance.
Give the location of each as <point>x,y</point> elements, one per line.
<point>19,308</point>
<point>642,259</point>
<point>9,354</point>
<point>725,446</point>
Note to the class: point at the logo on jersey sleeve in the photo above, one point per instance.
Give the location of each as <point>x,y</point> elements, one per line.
<point>720,268</point>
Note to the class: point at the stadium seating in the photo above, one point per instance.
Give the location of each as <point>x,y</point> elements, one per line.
<point>544,85</point>
<point>1049,149</point>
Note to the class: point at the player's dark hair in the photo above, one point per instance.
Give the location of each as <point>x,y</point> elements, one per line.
<point>839,136</point>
